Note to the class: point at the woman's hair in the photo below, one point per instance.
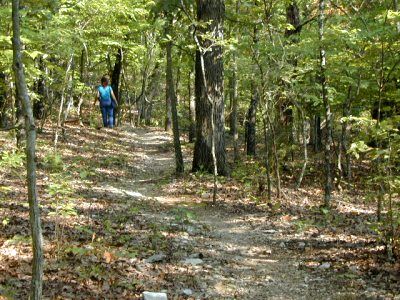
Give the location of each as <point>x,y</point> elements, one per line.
<point>105,79</point>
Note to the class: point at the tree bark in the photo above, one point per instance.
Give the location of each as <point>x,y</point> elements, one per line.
<point>3,100</point>
<point>192,110</point>
<point>251,123</point>
<point>19,116</point>
<point>34,213</point>
<point>327,106</point>
<point>171,98</point>
<point>152,93</point>
<point>64,89</point>
<point>396,8</point>
<point>293,18</point>
<point>345,144</point>
<point>317,133</point>
<point>209,94</point>
<point>168,115</point>
<point>39,105</point>
<point>234,113</point>
<point>70,95</point>
<point>115,80</point>
<point>305,153</point>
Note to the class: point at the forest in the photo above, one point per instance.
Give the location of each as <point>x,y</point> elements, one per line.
<point>252,150</point>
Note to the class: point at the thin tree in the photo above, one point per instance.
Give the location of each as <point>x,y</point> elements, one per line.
<point>171,98</point>
<point>34,213</point>
<point>327,106</point>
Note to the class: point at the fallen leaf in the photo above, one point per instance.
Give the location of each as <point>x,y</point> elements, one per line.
<point>108,257</point>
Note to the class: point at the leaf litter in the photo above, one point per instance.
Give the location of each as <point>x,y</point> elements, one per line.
<point>117,222</point>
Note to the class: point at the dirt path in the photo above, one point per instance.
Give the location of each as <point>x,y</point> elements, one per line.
<point>241,256</point>
<point>117,222</point>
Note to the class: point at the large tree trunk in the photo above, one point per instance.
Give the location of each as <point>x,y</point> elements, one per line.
<point>327,106</point>
<point>34,213</point>
<point>210,94</point>
<point>115,79</point>
<point>171,98</point>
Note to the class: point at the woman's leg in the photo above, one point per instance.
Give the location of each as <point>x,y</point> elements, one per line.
<point>104,115</point>
<point>110,112</point>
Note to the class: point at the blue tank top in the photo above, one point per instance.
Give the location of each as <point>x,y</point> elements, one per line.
<point>105,95</point>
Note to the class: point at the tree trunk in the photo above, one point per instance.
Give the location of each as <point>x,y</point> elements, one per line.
<point>192,110</point>
<point>345,145</point>
<point>267,154</point>
<point>327,106</point>
<point>3,100</point>
<point>142,100</point>
<point>70,93</point>
<point>293,18</point>
<point>64,89</point>
<point>234,114</point>
<point>251,123</point>
<point>317,134</point>
<point>233,86</point>
<point>153,91</point>
<point>210,94</point>
<point>396,8</point>
<point>115,79</point>
<point>171,98</point>
<point>19,116</point>
<point>39,105</point>
<point>34,213</point>
<point>305,153</point>
<point>168,115</point>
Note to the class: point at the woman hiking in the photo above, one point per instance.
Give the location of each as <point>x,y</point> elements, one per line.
<point>105,96</point>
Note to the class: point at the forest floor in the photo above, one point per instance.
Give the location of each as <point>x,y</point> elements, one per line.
<point>117,222</point>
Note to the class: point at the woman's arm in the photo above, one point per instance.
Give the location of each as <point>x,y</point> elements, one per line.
<point>113,96</point>
<point>97,97</point>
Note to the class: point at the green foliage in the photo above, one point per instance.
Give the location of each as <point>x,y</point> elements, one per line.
<point>183,216</point>
<point>53,162</point>
<point>12,159</point>
<point>19,240</point>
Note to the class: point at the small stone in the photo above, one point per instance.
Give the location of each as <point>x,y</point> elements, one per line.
<point>192,261</point>
<point>324,266</point>
<point>282,245</point>
<point>156,258</point>
<point>301,245</point>
<point>187,292</point>
<point>154,296</point>
<point>206,195</point>
<point>270,231</point>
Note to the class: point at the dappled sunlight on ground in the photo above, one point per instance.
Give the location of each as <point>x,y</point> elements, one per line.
<point>110,202</point>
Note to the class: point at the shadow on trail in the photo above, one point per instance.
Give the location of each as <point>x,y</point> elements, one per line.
<point>125,211</point>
